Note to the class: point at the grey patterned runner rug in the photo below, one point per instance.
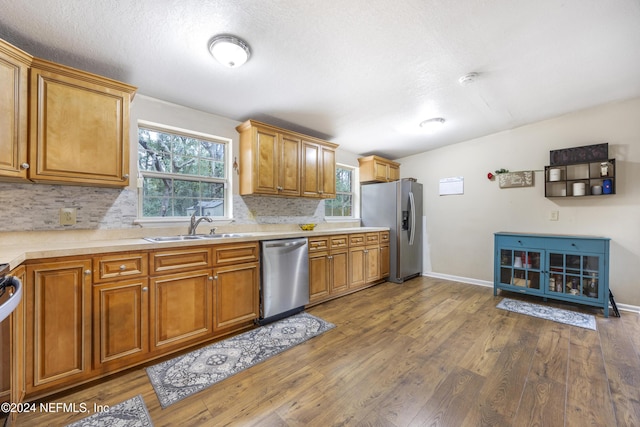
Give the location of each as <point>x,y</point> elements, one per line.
<point>551,313</point>
<point>130,413</point>
<point>178,378</point>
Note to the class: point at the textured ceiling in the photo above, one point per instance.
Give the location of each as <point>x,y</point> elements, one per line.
<point>361,73</point>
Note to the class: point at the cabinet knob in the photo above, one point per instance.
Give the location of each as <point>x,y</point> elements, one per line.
<point>125,176</point>
<point>320,192</point>
<point>123,267</point>
<point>145,289</point>
<point>87,272</point>
<point>329,257</point>
<point>25,166</point>
<point>213,277</point>
<point>279,188</point>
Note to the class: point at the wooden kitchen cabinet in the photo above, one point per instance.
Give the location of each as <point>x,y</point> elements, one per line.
<point>378,169</point>
<point>385,254</point>
<point>318,170</point>
<point>236,296</point>
<point>275,161</point>
<point>14,107</point>
<point>181,308</point>
<point>364,259</point>
<point>328,272</point>
<point>120,323</point>
<point>57,296</point>
<point>79,127</point>
<point>122,265</point>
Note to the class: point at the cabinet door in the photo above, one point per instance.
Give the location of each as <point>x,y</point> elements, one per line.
<point>120,323</point>
<point>236,295</point>
<point>311,164</point>
<point>328,173</point>
<point>394,173</point>
<point>357,263</point>
<point>384,261</point>
<point>14,69</point>
<point>289,165</point>
<point>181,308</point>
<point>380,170</point>
<point>522,270</point>
<point>79,128</point>
<point>372,264</point>
<point>58,314</point>
<point>265,162</point>
<point>576,276</point>
<point>339,271</point>
<point>318,276</point>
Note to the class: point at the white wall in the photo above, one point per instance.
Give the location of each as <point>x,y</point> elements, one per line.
<point>460,228</point>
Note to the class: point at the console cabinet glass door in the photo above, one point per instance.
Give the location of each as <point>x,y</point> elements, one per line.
<point>575,275</point>
<point>522,269</point>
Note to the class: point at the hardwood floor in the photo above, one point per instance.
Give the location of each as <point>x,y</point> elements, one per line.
<point>428,352</point>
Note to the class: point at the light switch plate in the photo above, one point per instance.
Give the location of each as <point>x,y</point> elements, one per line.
<point>67,216</point>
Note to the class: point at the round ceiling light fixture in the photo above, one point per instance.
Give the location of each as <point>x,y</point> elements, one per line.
<point>230,51</point>
<point>432,125</point>
<point>468,79</point>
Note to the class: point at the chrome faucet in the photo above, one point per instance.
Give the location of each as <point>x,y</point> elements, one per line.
<point>194,223</point>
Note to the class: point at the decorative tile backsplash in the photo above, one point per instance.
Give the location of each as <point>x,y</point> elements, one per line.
<point>36,207</point>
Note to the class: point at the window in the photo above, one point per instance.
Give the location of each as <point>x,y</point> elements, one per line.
<point>182,173</point>
<point>342,205</point>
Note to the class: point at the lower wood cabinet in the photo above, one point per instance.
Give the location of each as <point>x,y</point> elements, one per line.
<point>344,263</point>
<point>57,295</point>
<point>236,295</point>
<point>181,308</point>
<point>120,323</point>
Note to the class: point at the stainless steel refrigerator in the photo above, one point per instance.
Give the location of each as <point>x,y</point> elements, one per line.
<point>397,205</point>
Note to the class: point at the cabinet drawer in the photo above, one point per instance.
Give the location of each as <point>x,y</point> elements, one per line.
<point>554,244</point>
<point>341,241</point>
<point>356,240</point>
<point>318,244</point>
<point>179,260</point>
<point>384,237</point>
<point>236,253</point>
<point>372,238</point>
<point>129,265</point>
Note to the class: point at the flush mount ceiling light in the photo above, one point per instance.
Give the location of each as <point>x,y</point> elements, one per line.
<point>432,125</point>
<point>468,79</point>
<point>230,51</point>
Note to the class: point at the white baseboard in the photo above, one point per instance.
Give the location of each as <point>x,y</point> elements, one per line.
<point>488,284</point>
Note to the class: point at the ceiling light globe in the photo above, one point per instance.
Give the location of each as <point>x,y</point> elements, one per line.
<point>432,125</point>
<point>229,51</point>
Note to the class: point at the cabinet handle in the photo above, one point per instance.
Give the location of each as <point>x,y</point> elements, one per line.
<point>329,257</point>
<point>145,289</point>
<point>123,267</point>
<point>25,166</point>
<point>87,272</point>
<point>279,188</point>
<point>125,176</point>
<point>213,277</point>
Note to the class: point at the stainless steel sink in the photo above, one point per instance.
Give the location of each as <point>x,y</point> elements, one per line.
<point>182,237</point>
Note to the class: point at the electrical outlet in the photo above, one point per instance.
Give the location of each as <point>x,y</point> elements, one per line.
<point>553,215</point>
<point>67,216</point>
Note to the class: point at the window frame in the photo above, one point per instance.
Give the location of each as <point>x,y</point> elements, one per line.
<point>226,181</point>
<point>355,194</point>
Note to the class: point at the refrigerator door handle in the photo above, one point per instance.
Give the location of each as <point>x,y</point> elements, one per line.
<point>412,227</point>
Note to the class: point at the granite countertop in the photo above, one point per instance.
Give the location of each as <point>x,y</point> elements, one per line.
<point>21,247</point>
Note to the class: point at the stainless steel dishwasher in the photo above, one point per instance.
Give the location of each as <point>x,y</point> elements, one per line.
<point>284,284</point>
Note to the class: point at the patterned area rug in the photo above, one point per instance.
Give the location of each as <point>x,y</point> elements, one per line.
<point>182,376</point>
<point>130,413</point>
<point>556,314</point>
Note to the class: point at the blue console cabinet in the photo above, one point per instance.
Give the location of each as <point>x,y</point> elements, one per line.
<point>562,267</point>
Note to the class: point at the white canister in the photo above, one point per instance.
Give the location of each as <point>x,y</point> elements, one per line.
<point>555,174</point>
<point>596,190</point>
<point>578,189</point>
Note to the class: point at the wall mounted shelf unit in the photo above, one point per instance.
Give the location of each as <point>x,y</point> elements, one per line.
<point>560,179</point>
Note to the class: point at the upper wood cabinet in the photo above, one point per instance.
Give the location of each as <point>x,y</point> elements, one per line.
<point>79,127</point>
<point>279,162</point>
<point>14,81</point>
<point>378,169</point>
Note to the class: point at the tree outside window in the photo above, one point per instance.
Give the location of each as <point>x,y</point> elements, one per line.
<point>182,173</point>
<point>342,205</point>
